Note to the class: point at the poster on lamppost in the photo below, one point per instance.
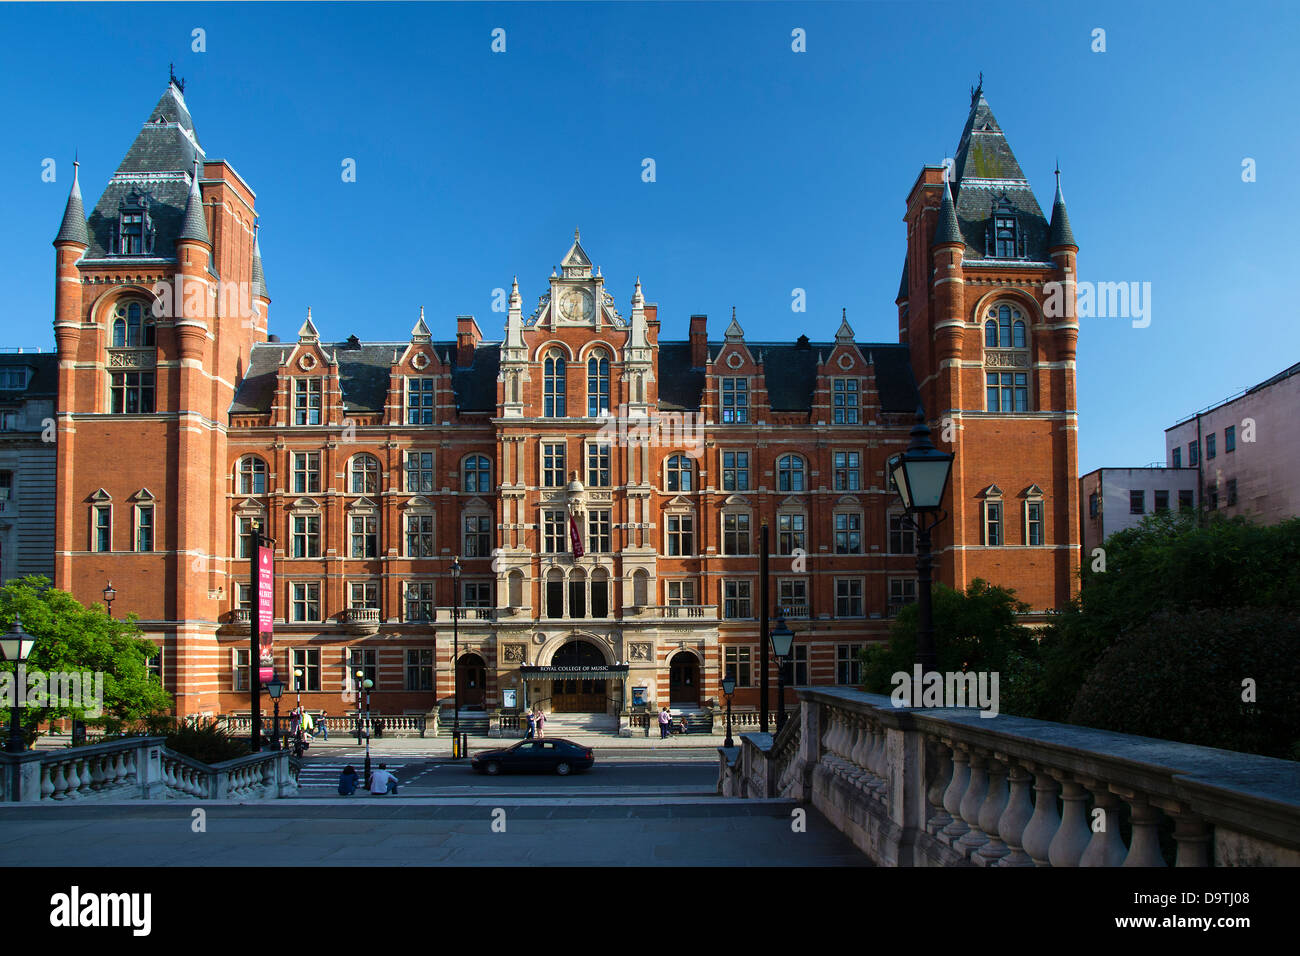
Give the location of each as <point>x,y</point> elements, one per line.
<point>265,612</point>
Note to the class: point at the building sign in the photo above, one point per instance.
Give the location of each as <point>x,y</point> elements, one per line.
<point>265,612</point>
<point>581,671</point>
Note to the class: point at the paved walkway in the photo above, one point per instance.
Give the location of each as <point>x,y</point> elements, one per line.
<point>566,831</point>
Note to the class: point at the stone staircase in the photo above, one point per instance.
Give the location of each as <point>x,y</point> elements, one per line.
<point>472,722</point>
<point>571,725</point>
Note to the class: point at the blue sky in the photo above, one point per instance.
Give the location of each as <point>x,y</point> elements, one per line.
<point>774,169</point>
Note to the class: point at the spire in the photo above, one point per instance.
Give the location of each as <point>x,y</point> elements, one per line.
<point>1059,233</point>
<point>259,279</point>
<point>515,318</point>
<point>420,331</point>
<point>638,300</point>
<point>845,334</point>
<point>195,226</point>
<point>734,332</point>
<point>73,227</point>
<point>947,231</point>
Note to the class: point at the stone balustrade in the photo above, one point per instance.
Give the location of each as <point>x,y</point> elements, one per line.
<point>946,787</point>
<point>141,768</point>
<point>394,725</point>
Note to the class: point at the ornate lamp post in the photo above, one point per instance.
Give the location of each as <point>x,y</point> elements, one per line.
<point>109,595</point>
<point>782,643</point>
<point>455,657</point>
<point>367,684</point>
<point>16,644</point>
<point>920,476</point>
<point>729,688</point>
<point>274,688</point>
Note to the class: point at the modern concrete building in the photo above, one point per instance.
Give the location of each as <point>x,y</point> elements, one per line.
<point>1112,499</point>
<point>1246,450</point>
<point>28,385</point>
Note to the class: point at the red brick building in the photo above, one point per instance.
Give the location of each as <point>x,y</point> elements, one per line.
<point>374,464</point>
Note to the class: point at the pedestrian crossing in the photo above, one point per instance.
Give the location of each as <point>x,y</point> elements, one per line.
<point>326,774</point>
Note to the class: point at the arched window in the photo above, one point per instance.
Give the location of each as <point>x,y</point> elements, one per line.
<point>990,334</point>
<point>132,325</point>
<point>789,473</point>
<point>252,475</point>
<point>1006,372</point>
<point>598,385</point>
<point>679,473</point>
<point>365,475</point>
<point>477,475</point>
<point>553,385</point>
<point>1018,335</point>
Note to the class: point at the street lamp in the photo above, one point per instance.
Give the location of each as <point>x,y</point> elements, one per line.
<point>920,476</point>
<point>729,688</point>
<point>359,676</point>
<point>367,684</point>
<point>455,657</point>
<point>274,688</point>
<point>16,644</point>
<point>109,595</point>
<point>782,643</point>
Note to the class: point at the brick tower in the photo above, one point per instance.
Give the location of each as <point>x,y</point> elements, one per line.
<point>159,299</point>
<point>995,370</point>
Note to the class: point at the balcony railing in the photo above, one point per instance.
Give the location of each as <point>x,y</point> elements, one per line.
<point>362,620</point>
<point>675,612</point>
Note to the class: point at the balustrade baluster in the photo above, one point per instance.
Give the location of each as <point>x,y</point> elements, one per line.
<point>60,782</point>
<point>74,780</point>
<point>973,800</point>
<point>952,796</point>
<point>1015,818</point>
<point>1045,821</point>
<point>1073,835</point>
<point>1144,847</point>
<point>939,766</point>
<point>47,785</point>
<point>995,801</point>
<point>97,776</point>
<point>1106,846</point>
<point>1193,838</point>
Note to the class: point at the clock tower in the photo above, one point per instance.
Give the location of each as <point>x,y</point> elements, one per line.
<point>578,296</point>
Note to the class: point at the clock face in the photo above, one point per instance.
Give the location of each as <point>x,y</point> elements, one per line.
<point>576,305</point>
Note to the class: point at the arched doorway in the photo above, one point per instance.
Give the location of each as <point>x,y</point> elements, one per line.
<point>575,695</point>
<point>471,680</point>
<point>684,679</point>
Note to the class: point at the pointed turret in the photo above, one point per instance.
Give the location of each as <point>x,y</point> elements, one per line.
<point>195,225</point>
<point>947,231</point>
<point>420,331</point>
<point>259,278</point>
<point>307,332</point>
<point>845,334</point>
<point>734,332</point>
<point>1059,234</point>
<point>576,262</point>
<point>73,227</point>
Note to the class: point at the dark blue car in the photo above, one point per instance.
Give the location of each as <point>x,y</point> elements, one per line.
<point>545,755</point>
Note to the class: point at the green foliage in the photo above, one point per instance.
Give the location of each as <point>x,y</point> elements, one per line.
<point>70,637</point>
<point>205,741</point>
<point>1178,676</point>
<point>1165,564</point>
<point>974,630</point>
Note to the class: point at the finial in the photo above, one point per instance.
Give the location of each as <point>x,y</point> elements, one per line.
<point>421,313</point>
<point>733,313</point>
<point>308,313</point>
<point>575,234</point>
<point>977,91</point>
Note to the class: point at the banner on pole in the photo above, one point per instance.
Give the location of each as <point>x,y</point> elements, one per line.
<point>265,613</point>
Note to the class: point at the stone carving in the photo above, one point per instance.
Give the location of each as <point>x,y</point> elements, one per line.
<point>142,358</point>
<point>639,652</point>
<point>1007,359</point>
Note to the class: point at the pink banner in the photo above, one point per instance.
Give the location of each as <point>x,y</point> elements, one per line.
<point>265,612</point>
<point>574,537</point>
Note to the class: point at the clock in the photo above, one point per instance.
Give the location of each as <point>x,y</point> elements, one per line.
<point>576,305</point>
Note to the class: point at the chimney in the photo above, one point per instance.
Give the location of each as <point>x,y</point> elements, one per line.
<point>699,341</point>
<point>467,339</point>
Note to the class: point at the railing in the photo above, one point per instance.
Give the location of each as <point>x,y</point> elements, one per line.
<point>443,615</point>
<point>241,616</point>
<point>141,768</point>
<point>396,725</point>
<point>363,620</point>
<point>677,612</point>
<point>945,787</point>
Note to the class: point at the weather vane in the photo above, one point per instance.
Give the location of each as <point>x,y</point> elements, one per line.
<point>179,84</point>
<point>976,91</point>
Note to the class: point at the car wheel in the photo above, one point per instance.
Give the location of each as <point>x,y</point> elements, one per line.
<point>563,768</point>
<point>492,768</point>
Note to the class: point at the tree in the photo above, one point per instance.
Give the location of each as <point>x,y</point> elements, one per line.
<point>1167,563</point>
<point>71,638</point>
<point>975,630</point>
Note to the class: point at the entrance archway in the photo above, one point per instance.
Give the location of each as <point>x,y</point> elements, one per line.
<point>684,679</point>
<point>471,680</point>
<point>571,695</point>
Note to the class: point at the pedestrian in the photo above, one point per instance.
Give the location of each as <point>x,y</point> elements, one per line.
<point>347,781</point>
<point>320,725</point>
<point>681,727</point>
<point>382,782</point>
<point>532,724</point>
<point>664,720</point>
<point>541,722</point>
<point>308,724</point>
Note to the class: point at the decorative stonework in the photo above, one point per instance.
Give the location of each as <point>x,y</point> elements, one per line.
<point>513,653</point>
<point>1006,359</point>
<point>132,358</point>
<point>639,651</point>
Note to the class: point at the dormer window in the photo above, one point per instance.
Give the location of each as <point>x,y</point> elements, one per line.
<point>1004,239</point>
<point>135,229</point>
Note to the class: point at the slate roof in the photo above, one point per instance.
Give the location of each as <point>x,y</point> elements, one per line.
<point>166,145</point>
<point>790,373</point>
<point>984,154</point>
<point>73,227</point>
<point>364,375</point>
<point>44,380</point>
<point>1060,233</point>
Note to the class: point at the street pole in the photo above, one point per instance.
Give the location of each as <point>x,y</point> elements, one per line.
<point>455,657</point>
<point>254,637</point>
<point>764,648</point>
<point>367,736</point>
<point>359,676</point>
<point>926,652</point>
